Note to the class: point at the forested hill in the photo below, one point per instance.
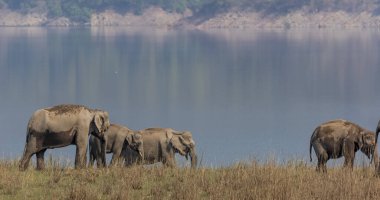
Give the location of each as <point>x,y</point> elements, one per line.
<point>80,11</point>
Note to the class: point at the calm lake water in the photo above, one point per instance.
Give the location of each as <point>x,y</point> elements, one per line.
<point>243,94</point>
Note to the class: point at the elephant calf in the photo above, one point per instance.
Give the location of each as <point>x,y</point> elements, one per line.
<point>337,138</point>
<point>161,144</point>
<point>117,138</point>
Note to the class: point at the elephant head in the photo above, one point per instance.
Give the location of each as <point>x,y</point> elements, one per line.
<point>367,143</point>
<point>135,142</point>
<point>100,124</point>
<point>183,143</point>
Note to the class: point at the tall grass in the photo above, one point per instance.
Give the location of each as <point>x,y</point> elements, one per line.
<point>246,180</point>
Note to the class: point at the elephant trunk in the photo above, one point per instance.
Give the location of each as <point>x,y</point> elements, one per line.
<point>375,157</point>
<point>194,158</point>
<point>103,145</point>
<point>377,131</point>
<point>140,149</point>
<point>375,154</point>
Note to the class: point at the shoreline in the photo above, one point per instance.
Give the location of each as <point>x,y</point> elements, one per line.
<point>158,18</point>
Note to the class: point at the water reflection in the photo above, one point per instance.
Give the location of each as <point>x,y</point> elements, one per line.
<point>242,94</point>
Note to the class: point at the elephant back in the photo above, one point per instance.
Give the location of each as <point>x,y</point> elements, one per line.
<point>66,109</point>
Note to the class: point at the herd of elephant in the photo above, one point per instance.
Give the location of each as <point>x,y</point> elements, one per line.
<point>64,125</point>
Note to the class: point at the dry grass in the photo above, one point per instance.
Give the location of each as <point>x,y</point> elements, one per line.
<point>294,180</point>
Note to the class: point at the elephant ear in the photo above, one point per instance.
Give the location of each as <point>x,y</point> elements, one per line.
<point>98,122</point>
<point>187,134</point>
<point>356,140</point>
<point>169,136</point>
<point>184,143</point>
<point>186,138</point>
<point>359,140</point>
<point>173,142</point>
<point>183,140</point>
<point>129,139</point>
<point>179,144</point>
<point>137,137</point>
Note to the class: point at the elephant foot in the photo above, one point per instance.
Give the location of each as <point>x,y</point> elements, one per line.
<point>22,168</point>
<point>23,165</point>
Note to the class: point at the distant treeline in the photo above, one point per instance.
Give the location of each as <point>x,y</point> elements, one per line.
<point>80,10</point>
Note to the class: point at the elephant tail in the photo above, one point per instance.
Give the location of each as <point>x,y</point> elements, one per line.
<point>29,132</point>
<point>311,159</point>
<point>27,135</point>
<point>311,139</point>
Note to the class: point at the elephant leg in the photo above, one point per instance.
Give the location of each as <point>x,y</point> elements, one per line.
<point>85,158</point>
<point>99,162</point>
<point>169,161</point>
<point>349,154</point>
<point>322,164</point>
<point>94,156</point>
<point>98,154</point>
<point>164,162</point>
<point>81,150</point>
<point>116,157</point>
<point>40,159</point>
<point>349,163</point>
<point>173,162</point>
<point>129,158</point>
<point>322,160</point>
<point>29,151</point>
<point>318,168</point>
<point>168,156</point>
<point>322,157</point>
<point>92,159</point>
<point>80,157</point>
<point>124,157</point>
<point>115,160</point>
<point>25,160</point>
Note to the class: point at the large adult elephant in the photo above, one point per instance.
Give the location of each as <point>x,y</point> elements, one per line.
<point>117,138</point>
<point>161,144</point>
<point>60,126</point>
<point>337,138</point>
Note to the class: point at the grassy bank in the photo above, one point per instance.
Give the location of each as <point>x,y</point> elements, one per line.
<point>294,180</point>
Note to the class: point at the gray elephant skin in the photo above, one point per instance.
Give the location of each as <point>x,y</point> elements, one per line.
<point>337,138</point>
<point>117,138</point>
<point>60,126</point>
<point>161,144</point>
<point>377,135</point>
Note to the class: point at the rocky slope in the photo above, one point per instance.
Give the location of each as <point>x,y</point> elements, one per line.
<point>158,18</point>
<point>153,17</point>
<point>297,19</point>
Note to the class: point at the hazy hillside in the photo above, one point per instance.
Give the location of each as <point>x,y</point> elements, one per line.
<point>194,12</point>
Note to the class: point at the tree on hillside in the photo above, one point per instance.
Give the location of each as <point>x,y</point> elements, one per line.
<point>80,10</point>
